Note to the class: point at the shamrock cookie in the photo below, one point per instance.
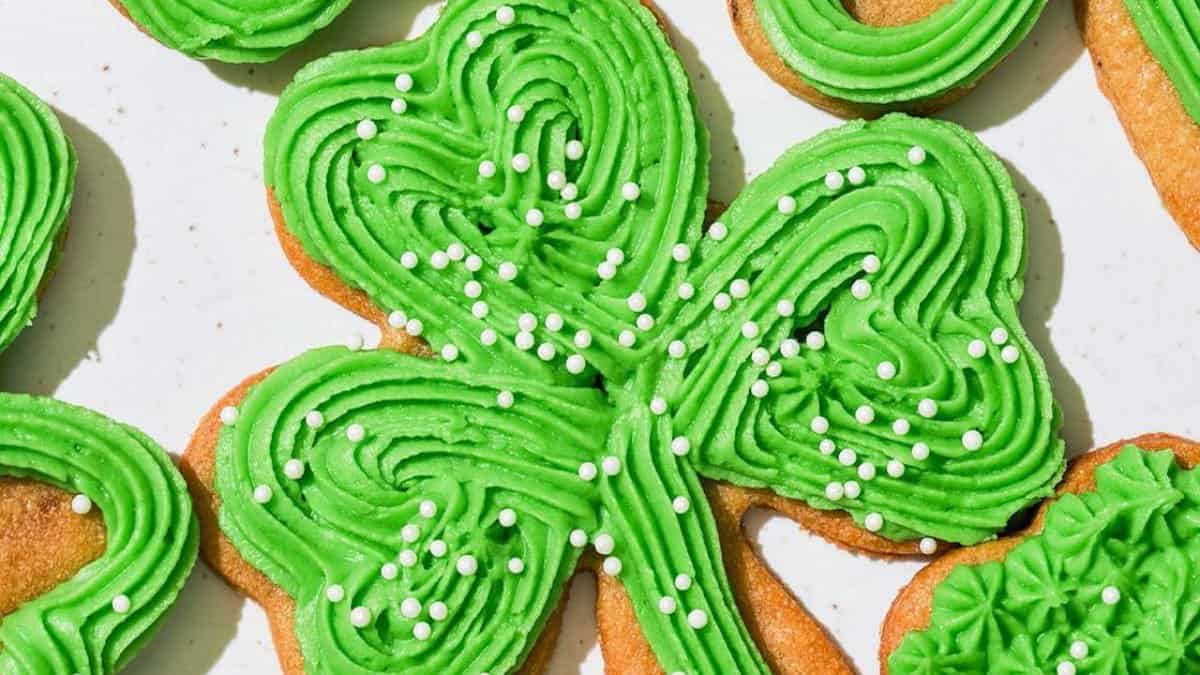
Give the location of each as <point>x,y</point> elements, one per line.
<point>870,57</point>
<point>1104,581</point>
<point>1147,59</point>
<point>521,194</point>
<point>37,178</point>
<point>236,32</point>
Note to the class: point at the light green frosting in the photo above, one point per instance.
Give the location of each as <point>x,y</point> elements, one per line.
<point>839,56</point>
<point>151,539</point>
<point>37,179</point>
<point>899,244</point>
<point>245,31</point>
<point>1171,28</point>
<point>1135,534</point>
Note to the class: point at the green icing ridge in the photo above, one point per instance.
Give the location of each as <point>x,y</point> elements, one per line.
<point>1136,533</point>
<point>238,32</point>
<point>951,48</point>
<point>1171,28</point>
<point>846,335</point>
<point>37,180</point>
<point>152,538</point>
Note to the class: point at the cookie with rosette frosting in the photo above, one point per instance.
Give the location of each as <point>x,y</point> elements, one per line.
<point>1103,581</point>
<point>1147,59</point>
<point>520,195</point>
<point>240,32</point>
<point>869,57</point>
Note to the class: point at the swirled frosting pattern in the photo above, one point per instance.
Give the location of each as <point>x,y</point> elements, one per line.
<point>524,188</point>
<point>96,621</point>
<point>246,31</point>
<point>37,179</point>
<point>951,48</point>
<point>1109,586</point>
<point>1171,28</point>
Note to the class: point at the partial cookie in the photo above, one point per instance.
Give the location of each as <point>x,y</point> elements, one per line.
<point>36,186</point>
<point>1147,59</point>
<point>60,618</point>
<point>871,57</point>
<point>1102,581</point>
<point>231,32</point>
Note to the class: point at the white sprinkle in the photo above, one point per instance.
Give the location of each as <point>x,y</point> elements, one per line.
<point>895,468</point>
<point>815,340</point>
<point>569,192</point>
<point>627,338</point>
<point>480,309</point>
<point>999,336</point>
<point>683,582</point>
<point>488,337</point>
<point>576,364</point>
<point>505,15</point>
<point>886,370</point>
<point>789,348</point>
<point>521,162</point>
<point>427,509</point>
<point>439,260</point>
<point>820,425</point>
<point>871,264</point>
<point>865,414</point>
<point>680,446</point>
<point>637,302</point>
<point>677,349</point>
<point>367,129</point>
<point>1010,354</point>
<point>456,251</point>
<point>604,544</point>
<point>414,327</point>
<point>631,191</point>
<point>407,557</point>
<point>397,319</point>
<point>658,406</point>
<point>686,291</point>
<point>524,341</point>
<point>928,545</point>
<point>507,518</point>
<point>449,352</point>
<point>438,548</point>
<point>335,593</point>
<point>697,619</point>
<point>587,471</point>
<point>873,522</point>
<point>834,180</point>
<point>574,149</point>
<point>262,494</point>
<point>866,471</point>
<point>404,82</point>
<point>1111,595</point>
<point>717,231</point>
<point>556,180</point>
<point>787,205</point>
<point>294,469</point>
<point>612,566</point>
<point>774,369</point>
<point>573,211</point>
<point>722,302</point>
<point>546,351</point>
<point>827,446</point>
<point>421,631</point>
<point>920,451</point>
<point>360,617</point>
<point>354,342</point>
<point>554,322</point>
<point>121,604</point>
<point>535,217</point>
<point>610,465</point>
<point>1065,668</point>
<point>680,505</point>
<point>466,565</point>
<point>972,440</point>
<point>515,113</point>
<point>399,106</point>
<point>977,349</point>
<point>1079,649</point>
<point>578,538</point>
<point>606,270</point>
<point>760,389</point>
<point>229,415</point>
<point>852,488</point>
<point>739,288</point>
<point>901,427</point>
<point>856,175</point>
<point>927,408</point>
<point>583,339</point>
<point>847,457</point>
<point>666,605</point>
<point>507,271</point>
<point>516,566</point>
<point>860,289</point>
<point>916,154</point>
<point>474,39</point>
<point>681,252</point>
<point>389,571</point>
<point>355,432</point>
<point>408,260</point>
<point>438,611</point>
<point>834,491</point>
<point>749,330</point>
<point>81,504</point>
<point>376,173</point>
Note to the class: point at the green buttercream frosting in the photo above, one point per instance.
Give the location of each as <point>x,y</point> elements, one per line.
<point>1171,28</point>
<point>246,31</point>
<point>78,627</point>
<point>37,179</point>
<point>524,187</point>
<point>1110,586</point>
<point>953,47</point>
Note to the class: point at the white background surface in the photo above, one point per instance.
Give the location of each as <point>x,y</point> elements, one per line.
<point>173,287</point>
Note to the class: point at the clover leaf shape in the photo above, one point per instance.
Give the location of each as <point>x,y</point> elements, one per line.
<point>523,188</point>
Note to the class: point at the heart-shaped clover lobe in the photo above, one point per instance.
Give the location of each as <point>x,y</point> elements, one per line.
<point>96,621</point>
<point>247,31</point>
<point>424,517</point>
<point>515,186</point>
<point>854,340</point>
<point>37,180</point>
